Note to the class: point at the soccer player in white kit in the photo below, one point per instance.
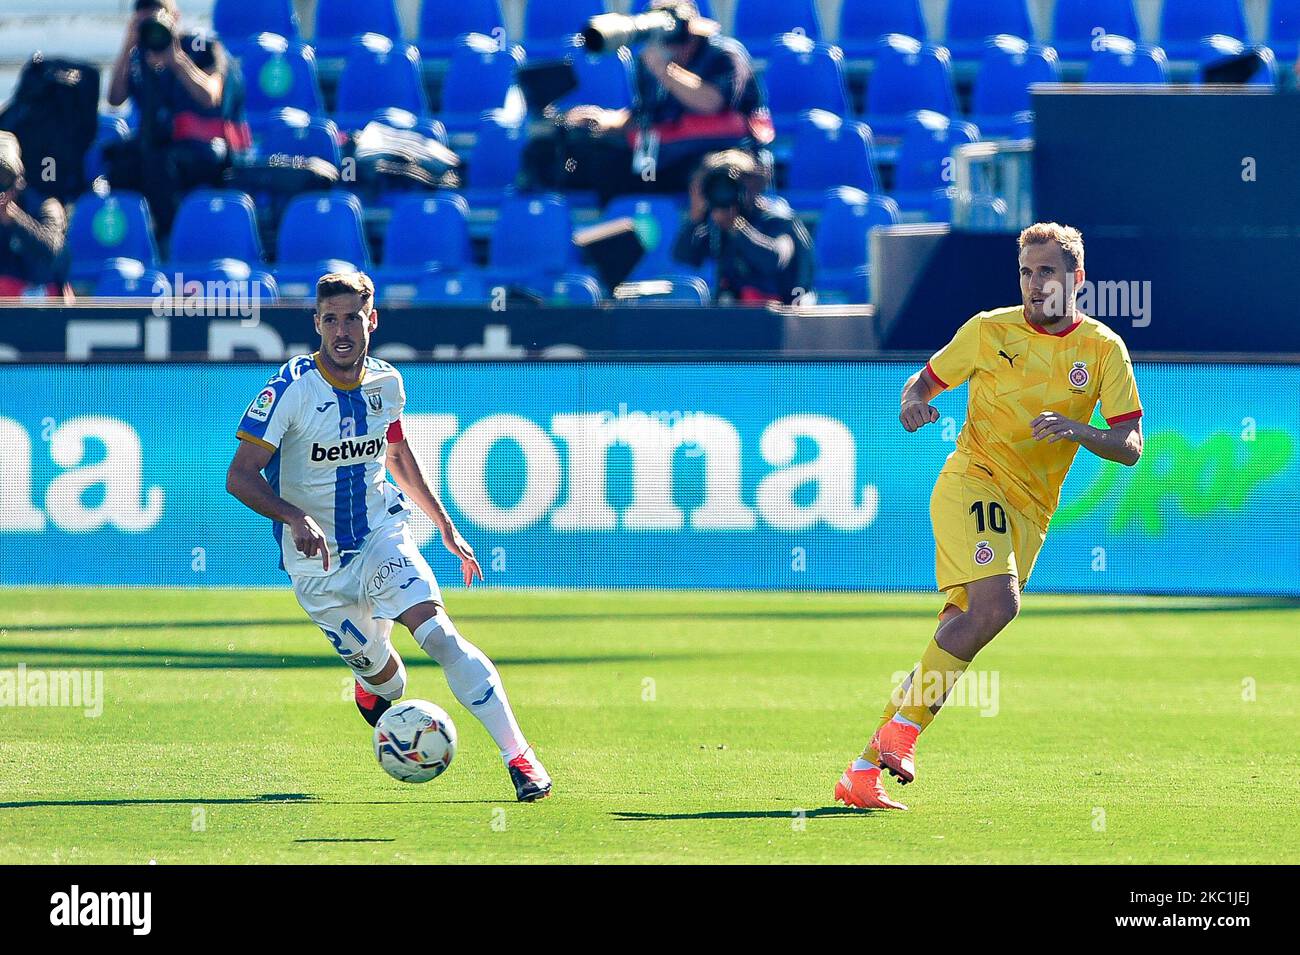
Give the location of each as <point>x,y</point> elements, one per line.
<point>315,447</point>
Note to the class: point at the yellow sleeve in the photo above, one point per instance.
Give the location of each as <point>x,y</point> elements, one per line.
<point>1119,392</point>
<point>955,362</point>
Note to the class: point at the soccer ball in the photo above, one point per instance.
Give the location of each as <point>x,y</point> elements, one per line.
<point>415,741</point>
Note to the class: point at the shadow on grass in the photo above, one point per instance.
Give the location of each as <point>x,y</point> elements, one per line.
<point>121,658</point>
<point>1100,607</point>
<point>196,801</point>
<point>818,813</point>
<point>344,840</point>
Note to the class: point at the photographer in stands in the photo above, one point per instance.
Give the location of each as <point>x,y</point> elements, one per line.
<point>32,230</point>
<point>695,93</point>
<point>763,251</point>
<point>189,101</point>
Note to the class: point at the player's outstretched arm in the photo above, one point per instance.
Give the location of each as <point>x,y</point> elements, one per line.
<point>406,471</point>
<point>1120,442</point>
<point>246,484</point>
<point>916,410</point>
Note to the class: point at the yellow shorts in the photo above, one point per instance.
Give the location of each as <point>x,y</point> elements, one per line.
<point>977,535</point>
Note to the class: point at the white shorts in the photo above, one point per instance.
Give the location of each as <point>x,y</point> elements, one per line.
<point>356,605</point>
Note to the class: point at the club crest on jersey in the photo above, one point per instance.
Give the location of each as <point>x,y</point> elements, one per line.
<point>983,553</point>
<point>1079,374</point>
<point>261,406</point>
<point>375,400</point>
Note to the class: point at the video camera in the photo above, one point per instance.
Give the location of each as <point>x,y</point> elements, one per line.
<point>723,187</point>
<point>156,30</point>
<point>669,23</point>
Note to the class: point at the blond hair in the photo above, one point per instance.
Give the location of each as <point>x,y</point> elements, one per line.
<point>346,283</point>
<point>1067,237</point>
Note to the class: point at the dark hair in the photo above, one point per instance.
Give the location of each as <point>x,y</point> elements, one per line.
<point>346,283</point>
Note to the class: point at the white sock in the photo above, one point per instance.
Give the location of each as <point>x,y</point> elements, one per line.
<point>392,688</point>
<point>900,718</point>
<point>473,680</point>
<point>861,763</point>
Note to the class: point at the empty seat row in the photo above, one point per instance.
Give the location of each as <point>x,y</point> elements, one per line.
<point>802,74</point>
<point>426,248</point>
<point>1076,24</point>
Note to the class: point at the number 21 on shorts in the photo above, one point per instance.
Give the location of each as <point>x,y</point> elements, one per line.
<point>336,639</point>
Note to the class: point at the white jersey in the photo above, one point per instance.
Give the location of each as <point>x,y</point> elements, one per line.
<point>329,445</point>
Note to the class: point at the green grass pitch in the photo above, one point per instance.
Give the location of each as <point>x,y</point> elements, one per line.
<point>679,727</point>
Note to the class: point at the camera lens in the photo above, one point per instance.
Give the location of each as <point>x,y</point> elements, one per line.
<point>155,34</point>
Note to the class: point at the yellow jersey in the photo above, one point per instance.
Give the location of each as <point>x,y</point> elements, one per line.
<point>1017,370</point>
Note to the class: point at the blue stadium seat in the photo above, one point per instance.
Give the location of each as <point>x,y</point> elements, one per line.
<point>257,282</point>
<point>572,288</point>
<point>377,75</point>
<point>970,22</point>
<point>467,288</point>
<point>339,21</point>
<point>828,152</point>
<point>117,225</point>
<point>603,79</point>
<point>1119,60</point>
<point>1284,29</point>
<point>657,220</point>
<point>291,132</point>
<point>279,74</point>
<point>427,232</point>
<point>549,25</point>
<point>928,139</point>
<point>129,278</point>
<point>1076,21</point>
<point>112,129</point>
<point>841,245</point>
<point>988,213</point>
<point>758,23</point>
<point>479,78</point>
<point>532,235</point>
<point>320,232</point>
<point>669,289</point>
<point>442,21</point>
<point>863,22</point>
<point>1009,66</point>
<point>1184,22</point>
<point>1216,48</point>
<point>214,224</point>
<point>494,163</point>
<point>908,76</point>
<point>801,75</point>
<point>236,22</point>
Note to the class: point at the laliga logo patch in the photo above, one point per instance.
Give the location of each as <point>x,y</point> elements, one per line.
<point>1079,374</point>
<point>983,553</point>
<point>261,406</point>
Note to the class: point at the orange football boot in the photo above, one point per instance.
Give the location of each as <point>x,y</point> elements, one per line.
<point>896,743</point>
<point>861,789</point>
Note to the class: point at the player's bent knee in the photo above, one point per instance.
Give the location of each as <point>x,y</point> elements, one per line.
<point>393,687</point>
<point>413,618</point>
<point>437,634</point>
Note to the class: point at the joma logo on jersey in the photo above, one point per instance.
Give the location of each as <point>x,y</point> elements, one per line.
<point>347,450</point>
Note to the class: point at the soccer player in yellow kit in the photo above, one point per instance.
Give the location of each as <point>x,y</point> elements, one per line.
<point>1036,372</point>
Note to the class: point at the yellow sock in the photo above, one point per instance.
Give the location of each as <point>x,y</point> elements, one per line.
<point>871,754</point>
<point>933,679</point>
